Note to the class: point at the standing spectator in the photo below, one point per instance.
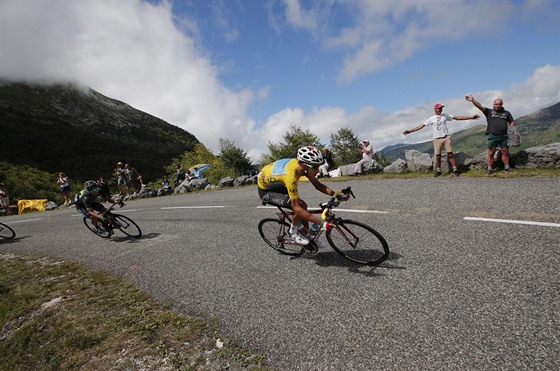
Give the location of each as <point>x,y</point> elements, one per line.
<point>64,185</point>
<point>4,199</point>
<point>133,178</point>
<point>440,135</point>
<point>497,120</point>
<point>121,178</point>
<point>367,152</point>
<point>103,187</point>
<point>328,165</point>
<point>179,175</point>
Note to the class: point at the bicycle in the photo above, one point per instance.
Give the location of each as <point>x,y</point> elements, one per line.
<point>351,239</point>
<point>6,232</point>
<point>113,221</point>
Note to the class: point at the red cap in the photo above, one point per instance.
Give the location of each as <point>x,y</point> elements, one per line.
<point>438,105</point>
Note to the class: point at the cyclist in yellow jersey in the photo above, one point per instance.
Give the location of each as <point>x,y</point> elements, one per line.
<point>278,185</point>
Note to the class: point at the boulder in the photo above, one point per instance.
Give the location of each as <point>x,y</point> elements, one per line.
<point>226,182</point>
<point>418,161</point>
<point>398,166</point>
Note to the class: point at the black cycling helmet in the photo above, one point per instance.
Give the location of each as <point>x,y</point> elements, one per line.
<point>310,155</point>
<point>91,186</point>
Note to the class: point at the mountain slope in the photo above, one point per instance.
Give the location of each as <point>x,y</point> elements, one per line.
<point>536,129</point>
<point>74,129</point>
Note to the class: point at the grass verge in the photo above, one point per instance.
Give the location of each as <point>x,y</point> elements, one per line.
<point>59,315</point>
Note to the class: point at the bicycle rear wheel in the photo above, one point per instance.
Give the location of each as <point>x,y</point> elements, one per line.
<point>358,242</point>
<point>6,232</point>
<point>275,233</point>
<point>104,234</point>
<point>126,225</point>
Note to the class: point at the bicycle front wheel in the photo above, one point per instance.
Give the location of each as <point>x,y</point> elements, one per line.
<point>6,232</point>
<point>275,233</point>
<point>126,225</point>
<point>358,242</point>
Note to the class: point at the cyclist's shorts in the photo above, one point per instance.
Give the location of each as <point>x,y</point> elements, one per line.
<point>497,140</point>
<point>95,206</point>
<point>278,197</point>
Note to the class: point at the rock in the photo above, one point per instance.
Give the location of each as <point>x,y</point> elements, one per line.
<point>398,166</point>
<point>418,161</point>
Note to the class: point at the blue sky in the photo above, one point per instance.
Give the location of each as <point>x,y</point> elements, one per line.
<point>246,70</point>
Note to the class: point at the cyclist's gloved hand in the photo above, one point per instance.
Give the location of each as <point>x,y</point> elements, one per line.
<point>326,225</point>
<point>342,196</point>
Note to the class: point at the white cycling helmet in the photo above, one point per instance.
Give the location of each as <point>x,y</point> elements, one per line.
<point>310,155</point>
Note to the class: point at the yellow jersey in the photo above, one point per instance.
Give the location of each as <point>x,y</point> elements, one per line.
<point>280,174</point>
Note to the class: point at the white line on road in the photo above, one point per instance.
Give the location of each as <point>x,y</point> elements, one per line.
<point>192,207</point>
<point>24,221</point>
<point>347,210</point>
<point>543,224</point>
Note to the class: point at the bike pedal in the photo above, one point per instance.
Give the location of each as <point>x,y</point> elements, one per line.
<point>311,248</point>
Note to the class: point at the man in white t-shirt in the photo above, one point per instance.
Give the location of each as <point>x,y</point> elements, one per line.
<point>440,135</point>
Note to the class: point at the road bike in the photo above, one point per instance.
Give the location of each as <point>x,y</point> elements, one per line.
<point>112,221</point>
<point>6,232</point>
<point>353,240</point>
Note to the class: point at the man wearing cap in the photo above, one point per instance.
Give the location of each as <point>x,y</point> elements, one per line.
<point>497,120</point>
<point>367,152</point>
<point>440,135</point>
<point>121,177</point>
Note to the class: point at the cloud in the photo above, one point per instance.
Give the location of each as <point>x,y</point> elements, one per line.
<point>133,51</point>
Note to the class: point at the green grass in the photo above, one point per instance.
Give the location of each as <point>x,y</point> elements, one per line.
<point>57,315</point>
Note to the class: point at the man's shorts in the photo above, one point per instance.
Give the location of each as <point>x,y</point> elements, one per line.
<point>65,189</point>
<point>95,206</point>
<point>442,142</point>
<point>121,180</point>
<point>277,197</point>
<point>497,140</point>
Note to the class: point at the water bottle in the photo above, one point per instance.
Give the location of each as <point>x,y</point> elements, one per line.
<point>314,229</point>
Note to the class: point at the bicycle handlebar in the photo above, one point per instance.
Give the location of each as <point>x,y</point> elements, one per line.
<point>334,201</point>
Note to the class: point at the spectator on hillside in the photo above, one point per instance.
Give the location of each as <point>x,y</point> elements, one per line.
<point>165,184</point>
<point>367,152</point>
<point>134,179</point>
<point>440,135</point>
<point>196,173</point>
<point>497,120</point>
<point>179,175</point>
<point>328,165</point>
<point>4,199</point>
<point>121,178</point>
<point>104,190</point>
<point>64,185</point>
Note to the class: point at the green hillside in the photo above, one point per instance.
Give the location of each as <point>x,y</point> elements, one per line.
<point>539,128</point>
<point>74,129</point>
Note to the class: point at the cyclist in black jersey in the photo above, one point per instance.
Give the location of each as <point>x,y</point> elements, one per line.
<point>86,202</point>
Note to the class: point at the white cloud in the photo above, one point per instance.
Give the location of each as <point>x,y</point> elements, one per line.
<point>127,50</point>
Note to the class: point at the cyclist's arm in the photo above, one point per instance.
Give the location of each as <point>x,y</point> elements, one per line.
<point>320,186</point>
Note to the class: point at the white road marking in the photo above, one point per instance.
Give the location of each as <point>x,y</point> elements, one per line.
<point>543,224</point>
<point>24,221</point>
<point>192,207</point>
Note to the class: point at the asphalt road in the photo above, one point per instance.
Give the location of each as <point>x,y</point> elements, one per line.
<point>461,290</point>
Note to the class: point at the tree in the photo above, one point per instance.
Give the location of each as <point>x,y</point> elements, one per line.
<point>344,147</point>
<point>294,139</point>
<point>233,157</point>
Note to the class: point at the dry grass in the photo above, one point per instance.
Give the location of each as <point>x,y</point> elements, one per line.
<point>59,315</point>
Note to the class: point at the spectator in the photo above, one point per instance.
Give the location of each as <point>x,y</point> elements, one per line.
<point>133,178</point>
<point>64,185</point>
<point>497,120</point>
<point>165,184</point>
<point>196,173</point>
<point>328,165</point>
<point>179,176</point>
<point>367,151</point>
<point>440,135</point>
<point>4,199</point>
<point>121,178</point>
<point>103,187</point>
